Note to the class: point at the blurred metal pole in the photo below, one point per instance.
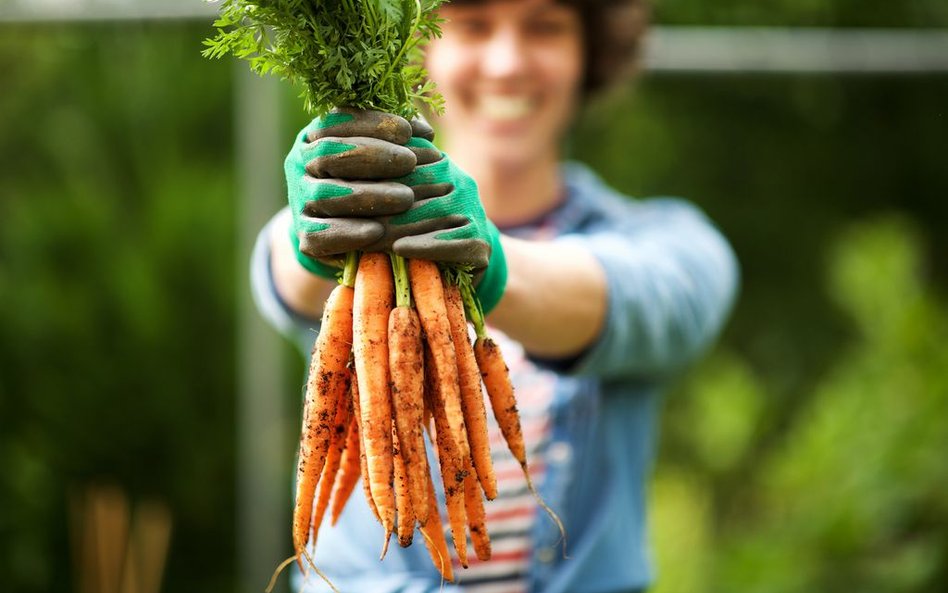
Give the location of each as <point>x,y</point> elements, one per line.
<point>263,488</point>
<point>761,50</point>
<point>25,11</point>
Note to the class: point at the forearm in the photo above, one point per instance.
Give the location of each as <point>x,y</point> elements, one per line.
<point>302,291</point>
<point>555,301</point>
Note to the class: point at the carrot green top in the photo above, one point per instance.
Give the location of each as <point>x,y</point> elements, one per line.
<point>356,53</point>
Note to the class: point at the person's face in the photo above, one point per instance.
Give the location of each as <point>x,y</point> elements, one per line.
<point>509,71</point>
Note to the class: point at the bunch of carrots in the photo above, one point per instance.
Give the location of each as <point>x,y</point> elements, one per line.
<point>393,360</point>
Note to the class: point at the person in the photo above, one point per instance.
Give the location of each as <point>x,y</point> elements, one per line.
<point>599,301</point>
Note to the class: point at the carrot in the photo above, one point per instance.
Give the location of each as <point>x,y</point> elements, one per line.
<point>428,291</point>
<point>406,363</point>
<point>496,378</point>
<point>363,461</point>
<point>349,468</point>
<point>472,398</point>
<point>474,507</point>
<point>374,292</point>
<point>333,459</point>
<point>452,472</point>
<point>434,534</point>
<point>403,502</point>
<point>500,392</point>
<point>327,383</point>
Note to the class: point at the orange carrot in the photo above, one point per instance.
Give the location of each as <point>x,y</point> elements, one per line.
<point>327,383</point>
<point>349,469</point>
<point>434,535</point>
<point>474,507</point>
<point>374,296</point>
<point>496,377</point>
<point>428,291</point>
<point>333,459</point>
<point>472,398</point>
<point>452,472</point>
<point>403,502</point>
<point>406,363</point>
<point>363,461</point>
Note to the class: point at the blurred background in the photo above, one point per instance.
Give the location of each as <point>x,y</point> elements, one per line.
<point>148,418</point>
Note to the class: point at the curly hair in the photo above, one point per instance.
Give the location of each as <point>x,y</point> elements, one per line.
<point>613,33</point>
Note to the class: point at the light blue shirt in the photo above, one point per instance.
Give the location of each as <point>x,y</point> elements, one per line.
<point>672,279</point>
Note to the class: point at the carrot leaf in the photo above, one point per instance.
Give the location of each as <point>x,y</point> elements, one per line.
<point>356,53</point>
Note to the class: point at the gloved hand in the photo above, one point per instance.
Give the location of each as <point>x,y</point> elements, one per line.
<point>447,223</point>
<point>430,211</point>
<point>334,176</point>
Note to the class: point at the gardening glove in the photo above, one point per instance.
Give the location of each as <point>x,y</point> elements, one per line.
<point>447,223</point>
<point>338,176</point>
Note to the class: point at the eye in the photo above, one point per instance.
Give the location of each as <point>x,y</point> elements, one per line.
<point>552,24</point>
<point>471,26</point>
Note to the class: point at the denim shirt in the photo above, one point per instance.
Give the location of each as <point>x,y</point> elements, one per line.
<point>671,280</point>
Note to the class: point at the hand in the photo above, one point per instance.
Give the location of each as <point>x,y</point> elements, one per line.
<point>334,176</point>
<point>447,223</point>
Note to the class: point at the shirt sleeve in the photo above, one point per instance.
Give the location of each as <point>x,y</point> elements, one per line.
<point>300,329</point>
<point>671,282</point>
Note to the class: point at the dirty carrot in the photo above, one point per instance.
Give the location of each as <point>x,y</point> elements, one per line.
<point>406,364</point>
<point>328,381</point>
<point>474,507</point>
<point>434,534</point>
<point>472,398</point>
<point>452,471</point>
<point>333,460</point>
<point>349,469</point>
<point>403,502</point>
<point>374,296</point>
<point>500,392</point>
<point>428,292</point>
<point>363,462</point>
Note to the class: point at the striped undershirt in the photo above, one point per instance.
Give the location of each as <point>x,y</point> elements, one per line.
<point>511,515</point>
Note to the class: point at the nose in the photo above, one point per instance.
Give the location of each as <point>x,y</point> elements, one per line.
<point>505,54</point>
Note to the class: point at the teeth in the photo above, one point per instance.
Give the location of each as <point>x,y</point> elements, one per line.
<point>502,107</point>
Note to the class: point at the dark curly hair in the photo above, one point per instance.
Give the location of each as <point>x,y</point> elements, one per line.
<point>613,32</point>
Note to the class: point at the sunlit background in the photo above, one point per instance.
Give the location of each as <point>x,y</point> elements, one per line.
<point>148,417</point>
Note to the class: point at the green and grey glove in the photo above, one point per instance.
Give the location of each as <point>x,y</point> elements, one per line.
<point>447,223</point>
<point>338,176</point>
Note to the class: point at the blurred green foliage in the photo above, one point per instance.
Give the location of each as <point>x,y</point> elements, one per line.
<point>851,495</point>
<point>117,278</point>
<point>804,454</point>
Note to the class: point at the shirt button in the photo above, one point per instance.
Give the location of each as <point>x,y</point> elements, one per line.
<point>546,555</point>
<point>559,452</point>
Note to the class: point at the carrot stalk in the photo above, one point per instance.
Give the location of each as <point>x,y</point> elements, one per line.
<point>374,290</point>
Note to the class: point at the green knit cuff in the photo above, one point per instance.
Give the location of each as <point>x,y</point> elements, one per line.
<point>494,281</point>
<point>316,267</point>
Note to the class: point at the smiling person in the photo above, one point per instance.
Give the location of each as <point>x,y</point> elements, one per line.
<point>598,300</point>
